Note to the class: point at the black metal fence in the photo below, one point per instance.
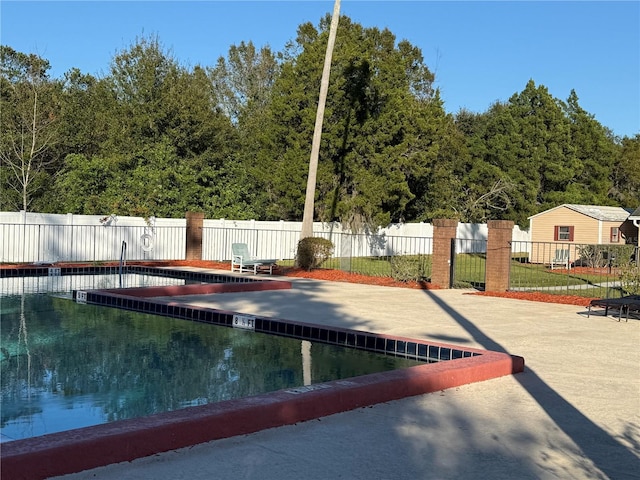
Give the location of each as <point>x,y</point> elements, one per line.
<point>468,262</point>
<point>589,270</point>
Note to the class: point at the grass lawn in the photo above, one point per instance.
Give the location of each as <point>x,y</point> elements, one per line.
<point>470,272</point>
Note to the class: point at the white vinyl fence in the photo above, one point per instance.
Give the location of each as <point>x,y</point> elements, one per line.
<point>48,238</point>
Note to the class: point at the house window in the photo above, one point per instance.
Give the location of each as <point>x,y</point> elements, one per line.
<point>615,235</point>
<point>562,233</point>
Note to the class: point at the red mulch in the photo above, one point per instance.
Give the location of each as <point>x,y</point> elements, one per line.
<point>539,297</point>
<point>340,276</point>
<point>603,271</point>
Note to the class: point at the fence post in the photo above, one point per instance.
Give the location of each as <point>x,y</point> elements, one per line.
<point>498,255</point>
<point>444,230</point>
<point>194,235</point>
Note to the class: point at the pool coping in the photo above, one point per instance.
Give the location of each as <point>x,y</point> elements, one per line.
<point>59,453</point>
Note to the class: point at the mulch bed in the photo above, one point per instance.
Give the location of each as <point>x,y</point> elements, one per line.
<point>540,297</point>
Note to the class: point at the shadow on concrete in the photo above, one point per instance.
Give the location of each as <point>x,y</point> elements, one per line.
<point>606,452</point>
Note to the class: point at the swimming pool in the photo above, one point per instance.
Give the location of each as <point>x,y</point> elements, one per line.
<point>66,365</point>
<point>125,440</point>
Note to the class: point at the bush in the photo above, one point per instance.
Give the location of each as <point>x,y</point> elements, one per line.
<point>313,252</point>
<point>595,256</point>
<point>630,279</point>
<point>590,256</point>
<point>405,268</point>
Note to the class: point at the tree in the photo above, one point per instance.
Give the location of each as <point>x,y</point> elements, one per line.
<point>242,82</point>
<point>307,218</point>
<point>382,134</point>
<point>626,173</point>
<point>84,185</point>
<point>29,111</point>
<point>497,163</point>
<point>487,191</point>
<point>88,111</point>
<point>535,152</point>
<point>166,147</point>
<point>547,153</point>
<point>242,85</point>
<point>140,78</point>
<point>524,145</point>
<point>595,152</point>
<point>153,137</point>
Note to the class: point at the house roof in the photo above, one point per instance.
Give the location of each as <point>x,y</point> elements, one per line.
<point>635,215</point>
<point>602,213</point>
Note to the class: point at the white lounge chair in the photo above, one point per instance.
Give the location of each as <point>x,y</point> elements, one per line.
<point>243,261</point>
<point>561,258</point>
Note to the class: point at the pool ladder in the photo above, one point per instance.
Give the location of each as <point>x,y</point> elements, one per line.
<point>123,260</point>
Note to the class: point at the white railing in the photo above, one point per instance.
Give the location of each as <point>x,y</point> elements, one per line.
<point>48,238</point>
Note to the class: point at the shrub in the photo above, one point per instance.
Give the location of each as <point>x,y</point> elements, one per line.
<point>590,256</point>
<point>620,255</point>
<point>405,268</point>
<point>604,255</point>
<point>313,252</point>
<point>630,279</point>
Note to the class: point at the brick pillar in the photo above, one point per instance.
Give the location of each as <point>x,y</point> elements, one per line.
<point>194,235</point>
<point>444,231</point>
<point>498,255</point>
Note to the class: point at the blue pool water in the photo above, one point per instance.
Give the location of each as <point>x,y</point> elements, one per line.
<point>66,283</point>
<point>65,365</point>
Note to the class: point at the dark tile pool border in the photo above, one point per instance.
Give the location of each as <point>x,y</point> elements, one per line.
<point>85,448</point>
<point>134,299</point>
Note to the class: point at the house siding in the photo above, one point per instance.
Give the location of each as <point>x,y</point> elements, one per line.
<point>606,233</point>
<point>586,230</point>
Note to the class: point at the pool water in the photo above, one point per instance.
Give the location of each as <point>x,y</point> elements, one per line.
<point>65,365</point>
<point>67,283</point>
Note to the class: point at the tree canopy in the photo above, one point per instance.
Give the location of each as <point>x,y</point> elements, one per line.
<point>153,137</point>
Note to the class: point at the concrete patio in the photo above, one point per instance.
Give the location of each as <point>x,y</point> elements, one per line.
<point>573,413</point>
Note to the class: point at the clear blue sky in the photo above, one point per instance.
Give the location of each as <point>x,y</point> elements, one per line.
<point>480,51</point>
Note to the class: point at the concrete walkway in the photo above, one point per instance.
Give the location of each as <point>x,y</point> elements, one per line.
<point>573,413</point>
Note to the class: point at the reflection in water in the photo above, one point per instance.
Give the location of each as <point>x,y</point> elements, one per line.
<point>64,284</point>
<point>87,365</point>
<point>22,339</point>
<point>305,350</point>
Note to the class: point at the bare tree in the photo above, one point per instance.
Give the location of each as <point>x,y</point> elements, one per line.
<point>478,208</point>
<point>27,120</point>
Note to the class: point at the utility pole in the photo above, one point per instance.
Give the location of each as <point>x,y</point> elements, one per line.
<point>307,218</point>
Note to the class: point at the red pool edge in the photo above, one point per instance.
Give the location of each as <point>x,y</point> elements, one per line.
<point>86,448</point>
<point>199,289</point>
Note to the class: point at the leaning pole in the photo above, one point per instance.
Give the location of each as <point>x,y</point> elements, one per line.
<point>307,218</point>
